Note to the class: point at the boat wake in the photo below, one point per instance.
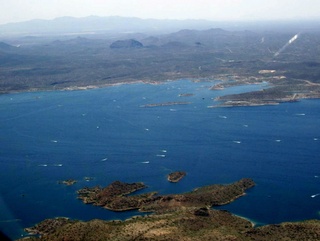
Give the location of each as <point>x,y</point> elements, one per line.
<point>161,155</point>
<point>45,165</point>
<point>10,221</point>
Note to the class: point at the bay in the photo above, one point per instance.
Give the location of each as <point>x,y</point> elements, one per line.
<point>106,134</point>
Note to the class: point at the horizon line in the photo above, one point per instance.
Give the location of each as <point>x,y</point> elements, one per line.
<point>243,20</point>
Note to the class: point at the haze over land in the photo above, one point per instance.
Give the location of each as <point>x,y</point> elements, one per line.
<point>16,11</point>
<point>245,40</point>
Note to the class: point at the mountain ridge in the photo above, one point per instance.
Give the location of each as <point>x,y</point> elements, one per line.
<point>100,24</point>
<point>118,24</point>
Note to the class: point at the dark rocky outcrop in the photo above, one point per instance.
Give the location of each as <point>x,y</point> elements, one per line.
<point>126,44</point>
<point>203,212</point>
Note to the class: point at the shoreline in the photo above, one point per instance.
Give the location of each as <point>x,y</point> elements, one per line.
<point>100,86</point>
<point>251,98</point>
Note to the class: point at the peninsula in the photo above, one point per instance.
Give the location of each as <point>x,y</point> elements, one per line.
<point>175,217</point>
<point>115,196</point>
<point>280,90</point>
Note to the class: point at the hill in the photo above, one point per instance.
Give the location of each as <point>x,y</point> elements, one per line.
<point>126,44</point>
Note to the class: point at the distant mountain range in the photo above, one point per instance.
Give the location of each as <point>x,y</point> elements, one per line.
<point>114,24</point>
<point>94,24</point>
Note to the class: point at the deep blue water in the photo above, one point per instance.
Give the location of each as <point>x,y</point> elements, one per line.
<point>106,134</point>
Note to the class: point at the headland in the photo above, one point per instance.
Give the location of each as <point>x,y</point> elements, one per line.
<point>175,217</point>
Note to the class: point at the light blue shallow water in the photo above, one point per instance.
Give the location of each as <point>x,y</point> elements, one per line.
<point>105,134</point>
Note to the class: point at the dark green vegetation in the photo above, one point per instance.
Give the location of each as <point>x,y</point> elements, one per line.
<point>237,57</point>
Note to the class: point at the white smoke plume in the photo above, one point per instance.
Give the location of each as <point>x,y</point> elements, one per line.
<point>294,38</point>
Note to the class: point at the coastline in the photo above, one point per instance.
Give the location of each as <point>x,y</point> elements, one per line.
<point>81,88</point>
<point>253,224</point>
<point>192,204</point>
<point>274,95</point>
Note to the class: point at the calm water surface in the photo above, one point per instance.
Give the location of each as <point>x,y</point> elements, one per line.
<point>105,134</point>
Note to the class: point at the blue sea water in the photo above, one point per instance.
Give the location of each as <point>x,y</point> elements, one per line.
<point>105,134</point>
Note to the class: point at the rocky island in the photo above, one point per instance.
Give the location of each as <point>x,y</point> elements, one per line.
<point>68,182</point>
<point>176,176</point>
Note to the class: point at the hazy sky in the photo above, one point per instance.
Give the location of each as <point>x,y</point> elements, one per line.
<point>21,10</point>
